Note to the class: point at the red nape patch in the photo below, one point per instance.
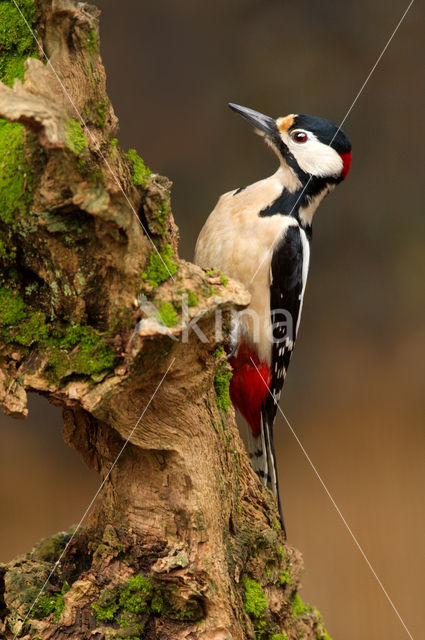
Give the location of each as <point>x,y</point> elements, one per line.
<point>247,389</point>
<point>346,163</point>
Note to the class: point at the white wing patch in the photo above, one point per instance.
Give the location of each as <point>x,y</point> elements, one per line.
<point>306,264</point>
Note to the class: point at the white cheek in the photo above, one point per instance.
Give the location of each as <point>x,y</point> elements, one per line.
<point>316,158</point>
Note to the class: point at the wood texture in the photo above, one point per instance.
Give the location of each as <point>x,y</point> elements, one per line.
<point>183,541</point>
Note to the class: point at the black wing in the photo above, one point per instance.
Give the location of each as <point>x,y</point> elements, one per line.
<point>285,305</point>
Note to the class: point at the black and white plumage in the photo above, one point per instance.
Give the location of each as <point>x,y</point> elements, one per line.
<point>261,235</point>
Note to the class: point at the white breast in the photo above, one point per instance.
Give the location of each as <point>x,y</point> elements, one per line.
<point>236,240</point>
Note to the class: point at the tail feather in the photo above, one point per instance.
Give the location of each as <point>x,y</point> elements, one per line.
<point>258,455</point>
<point>271,463</point>
<point>261,453</point>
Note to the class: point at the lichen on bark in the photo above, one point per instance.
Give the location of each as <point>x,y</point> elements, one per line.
<point>183,542</point>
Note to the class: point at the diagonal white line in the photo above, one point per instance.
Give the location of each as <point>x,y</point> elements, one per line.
<point>89,133</point>
<point>375,65</point>
<point>55,566</point>
<point>338,510</point>
<point>160,383</point>
<point>338,129</point>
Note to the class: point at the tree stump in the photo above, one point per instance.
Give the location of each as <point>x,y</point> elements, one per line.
<point>182,542</point>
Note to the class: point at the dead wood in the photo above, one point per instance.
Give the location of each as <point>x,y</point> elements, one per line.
<point>183,541</point>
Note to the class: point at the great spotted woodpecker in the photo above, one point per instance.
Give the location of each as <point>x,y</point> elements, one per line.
<point>261,235</point>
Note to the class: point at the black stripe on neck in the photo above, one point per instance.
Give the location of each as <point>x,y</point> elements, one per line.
<point>289,203</point>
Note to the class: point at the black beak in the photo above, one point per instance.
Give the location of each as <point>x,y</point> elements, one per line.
<point>261,122</point>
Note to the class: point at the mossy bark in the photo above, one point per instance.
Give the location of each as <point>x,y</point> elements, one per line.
<point>183,541</point>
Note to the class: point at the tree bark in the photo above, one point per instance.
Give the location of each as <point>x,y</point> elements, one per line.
<point>182,541</point>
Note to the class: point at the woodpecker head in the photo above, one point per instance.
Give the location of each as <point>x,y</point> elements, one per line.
<point>312,147</point>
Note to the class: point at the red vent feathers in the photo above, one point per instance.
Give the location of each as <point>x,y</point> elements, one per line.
<point>248,390</point>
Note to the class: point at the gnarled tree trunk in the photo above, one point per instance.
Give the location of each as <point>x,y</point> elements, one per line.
<point>182,541</point>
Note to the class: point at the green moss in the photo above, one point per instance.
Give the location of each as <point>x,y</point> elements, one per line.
<point>215,272</point>
<point>75,138</point>
<point>140,172</point>
<point>161,266</point>
<point>136,596</point>
<point>12,307</point>
<point>60,602</point>
<point>13,67</point>
<point>222,378</point>
<point>320,631</point>
<point>81,350</point>
<point>50,603</point>
<point>157,604</point>
<point>167,314</point>
<point>101,109</point>
<point>7,253</point>
<point>129,604</point>
<point>106,608</point>
<point>284,577</point>
<point>208,291</point>
<point>32,329</point>
<point>44,607</point>
<point>123,604</point>
<point>92,42</point>
<point>192,299</point>
<point>279,636</point>
<point>255,600</point>
<point>162,213</point>
<point>15,174</point>
<point>16,41</point>
<point>255,605</point>
<point>298,606</point>
<point>114,143</point>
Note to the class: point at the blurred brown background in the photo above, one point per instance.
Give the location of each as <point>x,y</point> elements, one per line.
<point>354,394</point>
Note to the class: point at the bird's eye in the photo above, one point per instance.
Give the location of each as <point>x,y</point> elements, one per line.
<point>299,136</point>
